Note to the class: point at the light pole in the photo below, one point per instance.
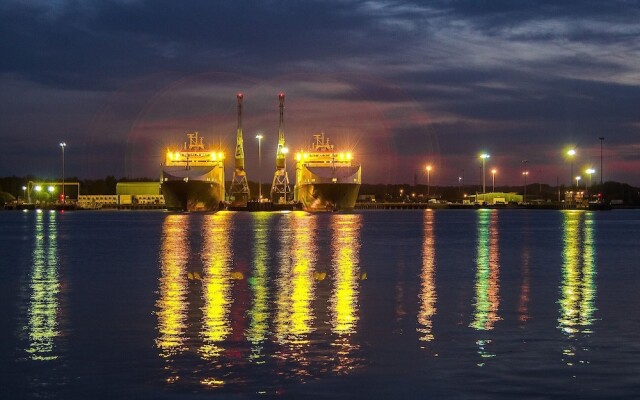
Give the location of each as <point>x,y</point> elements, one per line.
<point>578,183</point>
<point>524,196</point>
<point>484,157</point>
<point>64,198</point>
<point>259,137</point>
<point>24,193</point>
<point>428,180</point>
<point>493,176</point>
<point>590,172</point>
<point>571,153</point>
<point>38,189</point>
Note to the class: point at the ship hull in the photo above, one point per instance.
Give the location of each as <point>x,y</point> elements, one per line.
<point>327,196</point>
<point>193,189</point>
<point>192,195</point>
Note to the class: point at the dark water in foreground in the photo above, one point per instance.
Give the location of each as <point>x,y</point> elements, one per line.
<point>374,305</point>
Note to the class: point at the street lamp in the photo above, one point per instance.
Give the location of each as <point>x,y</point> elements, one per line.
<point>64,198</point>
<point>428,180</point>
<point>571,153</point>
<point>590,172</point>
<point>493,175</point>
<point>578,182</point>
<point>484,157</point>
<point>524,196</point>
<point>24,193</point>
<point>259,137</point>
<point>38,189</point>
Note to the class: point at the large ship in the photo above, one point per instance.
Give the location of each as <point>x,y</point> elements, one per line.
<point>193,177</point>
<point>326,180</point>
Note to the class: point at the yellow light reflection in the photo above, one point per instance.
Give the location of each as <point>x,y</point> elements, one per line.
<point>344,296</point>
<point>578,289</point>
<point>296,285</point>
<point>346,248</point>
<point>172,304</point>
<point>259,313</point>
<point>216,285</point>
<point>487,299</point>
<point>42,324</point>
<point>428,294</point>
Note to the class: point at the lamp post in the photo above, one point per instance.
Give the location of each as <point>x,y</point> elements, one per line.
<point>578,182</point>
<point>493,176</point>
<point>525,173</point>
<point>483,157</point>
<point>259,137</point>
<point>590,172</point>
<point>428,180</point>
<point>51,189</point>
<point>64,198</point>
<point>24,193</point>
<point>601,140</point>
<point>38,189</point>
<point>571,153</point>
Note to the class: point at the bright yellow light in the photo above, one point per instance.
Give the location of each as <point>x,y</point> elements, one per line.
<point>38,188</point>
<point>285,150</point>
<point>51,189</point>
<point>590,171</point>
<point>484,155</point>
<point>349,155</point>
<point>220,155</point>
<point>305,155</point>
<point>213,156</point>
<point>298,156</point>
<point>571,152</point>
<point>259,136</point>
<point>493,171</point>
<point>429,168</point>
<point>341,156</point>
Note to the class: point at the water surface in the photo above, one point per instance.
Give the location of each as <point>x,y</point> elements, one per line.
<point>404,304</point>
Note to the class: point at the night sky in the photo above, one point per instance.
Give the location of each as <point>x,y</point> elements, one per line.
<point>401,84</point>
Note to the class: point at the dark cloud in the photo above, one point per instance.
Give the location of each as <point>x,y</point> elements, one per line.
<point>442,79</point>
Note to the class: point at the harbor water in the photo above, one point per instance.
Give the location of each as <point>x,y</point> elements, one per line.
<point>457,304</point>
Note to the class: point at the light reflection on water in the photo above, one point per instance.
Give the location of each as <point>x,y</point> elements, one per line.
<point>172,304</point>
<point>428,295</point>
<point>344,295</point>
<point>43,312</point>
<point>578,288</point>
<point>275,303</point>
<point>487,296</point>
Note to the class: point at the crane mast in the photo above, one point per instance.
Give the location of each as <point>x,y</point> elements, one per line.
<point>280,190</point>
<point>239,190</point>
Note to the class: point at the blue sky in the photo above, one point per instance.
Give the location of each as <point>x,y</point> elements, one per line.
<point>402,84</point>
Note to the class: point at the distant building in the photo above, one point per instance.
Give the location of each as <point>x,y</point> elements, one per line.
<point>496,198</point>
<point>138,188</point>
